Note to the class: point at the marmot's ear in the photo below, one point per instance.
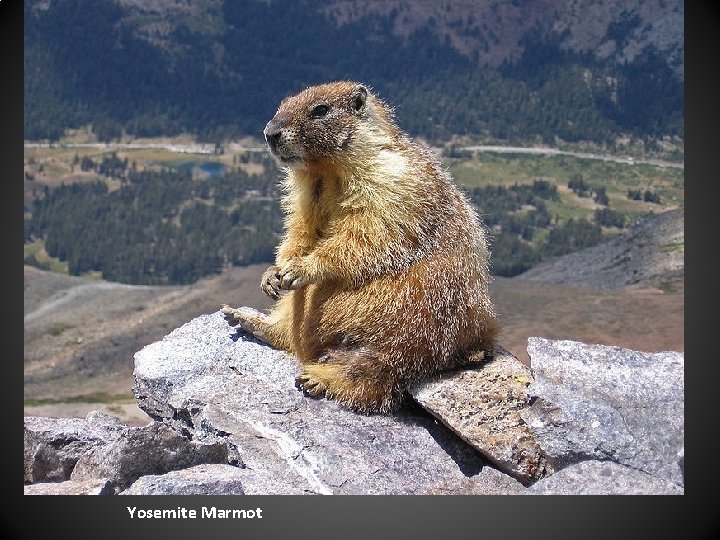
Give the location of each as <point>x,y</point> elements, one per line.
<point>359,99</point>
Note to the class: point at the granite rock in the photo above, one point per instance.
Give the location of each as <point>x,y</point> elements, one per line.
<point>205,479</point>
<point>210,382</point>
<point>489,481</point>
<point>482,405</point>
<point>588,419</point>
<point>602,478</point>
<point>52,446</point>
<point>603,403</point>
<point>138,451</point>
<point>93,486</point>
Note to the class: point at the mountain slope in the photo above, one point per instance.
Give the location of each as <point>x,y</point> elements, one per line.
<point>579,70</point>
<point>650,253</point>
<point>79,345</point>
<point>614,29</point>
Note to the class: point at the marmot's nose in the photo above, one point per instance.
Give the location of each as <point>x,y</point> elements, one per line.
<point>272,133</point>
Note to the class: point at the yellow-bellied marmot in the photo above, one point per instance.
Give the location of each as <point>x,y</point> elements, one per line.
<point>385,260</point>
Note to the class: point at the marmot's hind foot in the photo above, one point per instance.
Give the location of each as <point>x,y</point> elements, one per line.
<point>355,390</point>
<point>250,320</point>
<point>311,386</point>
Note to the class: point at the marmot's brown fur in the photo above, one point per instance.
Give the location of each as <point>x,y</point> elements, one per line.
<point>385,260</point>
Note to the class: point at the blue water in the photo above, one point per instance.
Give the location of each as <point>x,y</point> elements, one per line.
<point>203,168</point>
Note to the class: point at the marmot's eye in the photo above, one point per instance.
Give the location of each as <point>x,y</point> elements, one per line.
<point>319,111</point>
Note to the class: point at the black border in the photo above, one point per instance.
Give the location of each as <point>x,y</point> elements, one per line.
<point>693,515</point>
<point>702,90</point>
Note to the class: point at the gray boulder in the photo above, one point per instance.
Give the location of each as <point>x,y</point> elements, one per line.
<point>602,403</point>
<point>602,478</point>
<point>153,449</point>
<point>208,381</point>
<point>203,479</point>
<point>101,455</point>
<point>54,445</point>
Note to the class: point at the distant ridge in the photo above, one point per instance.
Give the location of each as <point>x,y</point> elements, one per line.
<point>650,253</point>
<point>538,69</point>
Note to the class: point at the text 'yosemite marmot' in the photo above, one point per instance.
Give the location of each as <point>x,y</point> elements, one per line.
<point>385,260</point>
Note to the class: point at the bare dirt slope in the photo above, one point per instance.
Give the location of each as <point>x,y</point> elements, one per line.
<point>644,319</point>
<point>81,335</point>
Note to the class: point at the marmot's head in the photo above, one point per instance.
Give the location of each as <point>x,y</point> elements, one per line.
<point>328,124</point>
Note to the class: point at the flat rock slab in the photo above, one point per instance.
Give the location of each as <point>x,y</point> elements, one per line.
<point>602,403</point>
<point>95,486</point>
<point>602,478</point>
<point>482,405</point>
<point>206,380</point>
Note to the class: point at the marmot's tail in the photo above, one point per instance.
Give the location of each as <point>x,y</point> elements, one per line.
<point>485,347</point>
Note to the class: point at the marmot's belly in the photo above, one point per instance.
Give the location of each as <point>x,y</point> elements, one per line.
<point>419,314</point>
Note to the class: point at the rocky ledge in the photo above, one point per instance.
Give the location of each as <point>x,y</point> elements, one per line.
<point>587,419</point>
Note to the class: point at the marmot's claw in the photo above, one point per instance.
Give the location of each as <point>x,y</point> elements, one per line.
<point>270,282</point>
<point>289,281</point>
<point>231,314</point>
<point>310,386</point>
<point>276,279</point>
<point>272,290</point>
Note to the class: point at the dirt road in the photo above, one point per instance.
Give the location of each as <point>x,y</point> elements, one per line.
<point>584,155</point>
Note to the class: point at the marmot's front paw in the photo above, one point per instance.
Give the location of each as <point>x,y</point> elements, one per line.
<point>270,283</point>
<point>290,276</point>
<point>286,278</point>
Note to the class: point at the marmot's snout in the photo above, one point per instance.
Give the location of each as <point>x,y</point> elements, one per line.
<point>273,132</point>
<point>281,142</point>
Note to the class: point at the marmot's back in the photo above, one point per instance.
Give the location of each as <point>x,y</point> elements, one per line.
<point>386,261</point>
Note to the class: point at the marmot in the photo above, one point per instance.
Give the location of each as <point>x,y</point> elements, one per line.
<point>385,260</point>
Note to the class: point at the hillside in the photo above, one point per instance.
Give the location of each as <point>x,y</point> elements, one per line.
<point>615,29</point>
<point>650,252</point>
<point>81,334</point>
<point>540,69</point>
